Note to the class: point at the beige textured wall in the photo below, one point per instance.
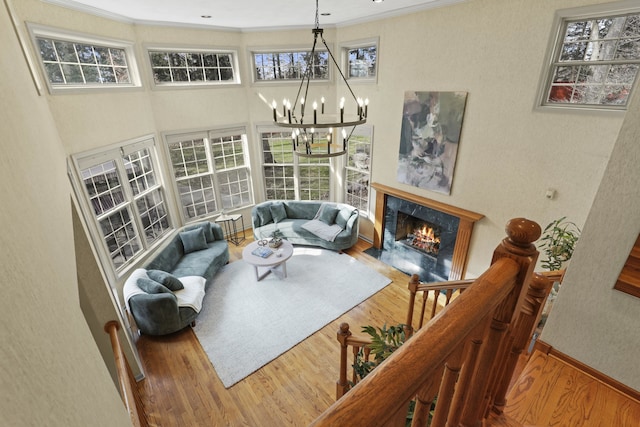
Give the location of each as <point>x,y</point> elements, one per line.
<point>51,372</point>
<point>590,320</point>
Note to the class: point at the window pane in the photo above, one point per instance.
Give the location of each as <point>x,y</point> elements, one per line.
<point>69,63</point>
<point>291,65</point>
<point>279,183</point>
<point>234,188</point>
<point>191,67</point>
<point>314,182</point>
<point>103,187</point>
<point>357,189</point>
<point>197,196</point>
<point>188,158</point>
<point>119,234</point>
<point>606,54</point>
<point>153,214</point>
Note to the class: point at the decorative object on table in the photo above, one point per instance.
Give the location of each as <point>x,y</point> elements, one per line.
<point>262,252</point>
<point>276,240</point>
<point>257,332</point>
<point>558,241</point>
<point>323,135</point>
<point>429,138</point>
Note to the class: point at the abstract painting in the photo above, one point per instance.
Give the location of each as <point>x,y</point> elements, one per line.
<point>429,138</point>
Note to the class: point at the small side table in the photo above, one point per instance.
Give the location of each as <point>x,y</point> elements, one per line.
<point>230,225</point>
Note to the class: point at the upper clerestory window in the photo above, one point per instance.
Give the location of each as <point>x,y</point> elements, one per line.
<point>73,61</point>
<point>595,61</point>
<point>193,67</point>
<point>290,65</point>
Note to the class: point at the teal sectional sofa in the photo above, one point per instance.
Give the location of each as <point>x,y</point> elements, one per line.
<point>166,294</point>
<point>325,224</point>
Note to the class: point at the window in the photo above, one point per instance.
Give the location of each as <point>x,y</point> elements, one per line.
<point>211,171</point>
<point>126,199</point>
<point>315,178</point>
<point>595,61</point>
<point>362,62</point>
<point>278,166</point>
<point>291,177</point>
<point>187,67</point>
<point>290,65</point>
<point>358,171</point>
<point>75,61</point>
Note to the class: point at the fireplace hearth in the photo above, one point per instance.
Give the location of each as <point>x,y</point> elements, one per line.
<point>418,234</point>
<point>421,236</point>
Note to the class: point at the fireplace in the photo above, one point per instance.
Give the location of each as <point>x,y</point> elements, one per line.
<point>418,234</point>
<point>421,236</point>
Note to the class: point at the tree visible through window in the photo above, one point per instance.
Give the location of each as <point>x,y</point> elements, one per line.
<point>126,199</point>
<point>210,171</point>
<point>596,62</point>
<point>186,67</point>
<point>290,65</point>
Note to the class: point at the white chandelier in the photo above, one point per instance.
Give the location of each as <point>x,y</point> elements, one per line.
<point>321,135</point>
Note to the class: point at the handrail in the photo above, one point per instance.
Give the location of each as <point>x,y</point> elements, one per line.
<point>458,355</point>
<point>403,373</point>
<point>126,381</point>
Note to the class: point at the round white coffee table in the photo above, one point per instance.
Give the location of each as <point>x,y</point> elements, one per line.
<point>277,259</point>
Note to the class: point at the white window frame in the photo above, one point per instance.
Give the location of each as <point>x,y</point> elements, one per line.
<point>555,44</point>
<point>116,154</point>
<point>252,51</point>
<point>216,202</point>
<point>149,49</point>
<point>367,132</point>
<point>39,31</point>
<point>359,44</point>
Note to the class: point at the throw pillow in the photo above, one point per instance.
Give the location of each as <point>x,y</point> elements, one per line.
<point>193,240</point>
<point>151,286</point>
<point>278,212</point>
<point>167,279</point>
<point>264,214</point>
<point>206,226</point>
<point>343,217</point>
<point>328,215</point>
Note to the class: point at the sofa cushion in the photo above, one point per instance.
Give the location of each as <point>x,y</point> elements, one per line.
<point>151,286</point>
<point>343,216</point>
<point>206,227</point>
<point>193,240</point>
<point>264,214</point>
<point>278,213</point>
<point>167,279</point>
<point>328,214</point>
<point>302,209</point>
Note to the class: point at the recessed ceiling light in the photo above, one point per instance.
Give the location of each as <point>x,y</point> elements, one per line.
<point>378,1</point>
<point>325,14</point>
<point>205,16</point>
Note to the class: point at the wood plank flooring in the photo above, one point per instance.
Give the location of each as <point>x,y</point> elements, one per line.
<point>182,389</point>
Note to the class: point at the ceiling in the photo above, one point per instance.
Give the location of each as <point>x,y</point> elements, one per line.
<point>250,15</point>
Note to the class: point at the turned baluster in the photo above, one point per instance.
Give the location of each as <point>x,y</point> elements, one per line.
<point>342,386</point>
<point>413,287</point>
<point>517,246</point>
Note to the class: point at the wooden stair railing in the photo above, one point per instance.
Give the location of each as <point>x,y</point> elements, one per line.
<point>126,381</point>
<point>459,355</point>
<point>431,293</point>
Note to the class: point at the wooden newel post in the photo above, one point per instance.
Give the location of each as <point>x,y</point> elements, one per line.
<point>342,386</point>
<point>517,246</point>
<point>535,297</point>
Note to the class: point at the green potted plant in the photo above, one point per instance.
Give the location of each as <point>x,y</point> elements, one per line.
<point>558,241</point>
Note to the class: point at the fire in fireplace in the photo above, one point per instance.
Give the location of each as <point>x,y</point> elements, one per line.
<point>418,234</point>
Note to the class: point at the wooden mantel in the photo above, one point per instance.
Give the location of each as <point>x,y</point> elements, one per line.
<point>465,229</point>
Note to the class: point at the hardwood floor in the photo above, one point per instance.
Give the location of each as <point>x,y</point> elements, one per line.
<point>181,387</point>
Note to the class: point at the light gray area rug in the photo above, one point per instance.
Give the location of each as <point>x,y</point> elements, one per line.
<point>245,324</point>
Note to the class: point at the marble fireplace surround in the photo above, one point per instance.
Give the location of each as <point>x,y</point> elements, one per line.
<point>467,219</point>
